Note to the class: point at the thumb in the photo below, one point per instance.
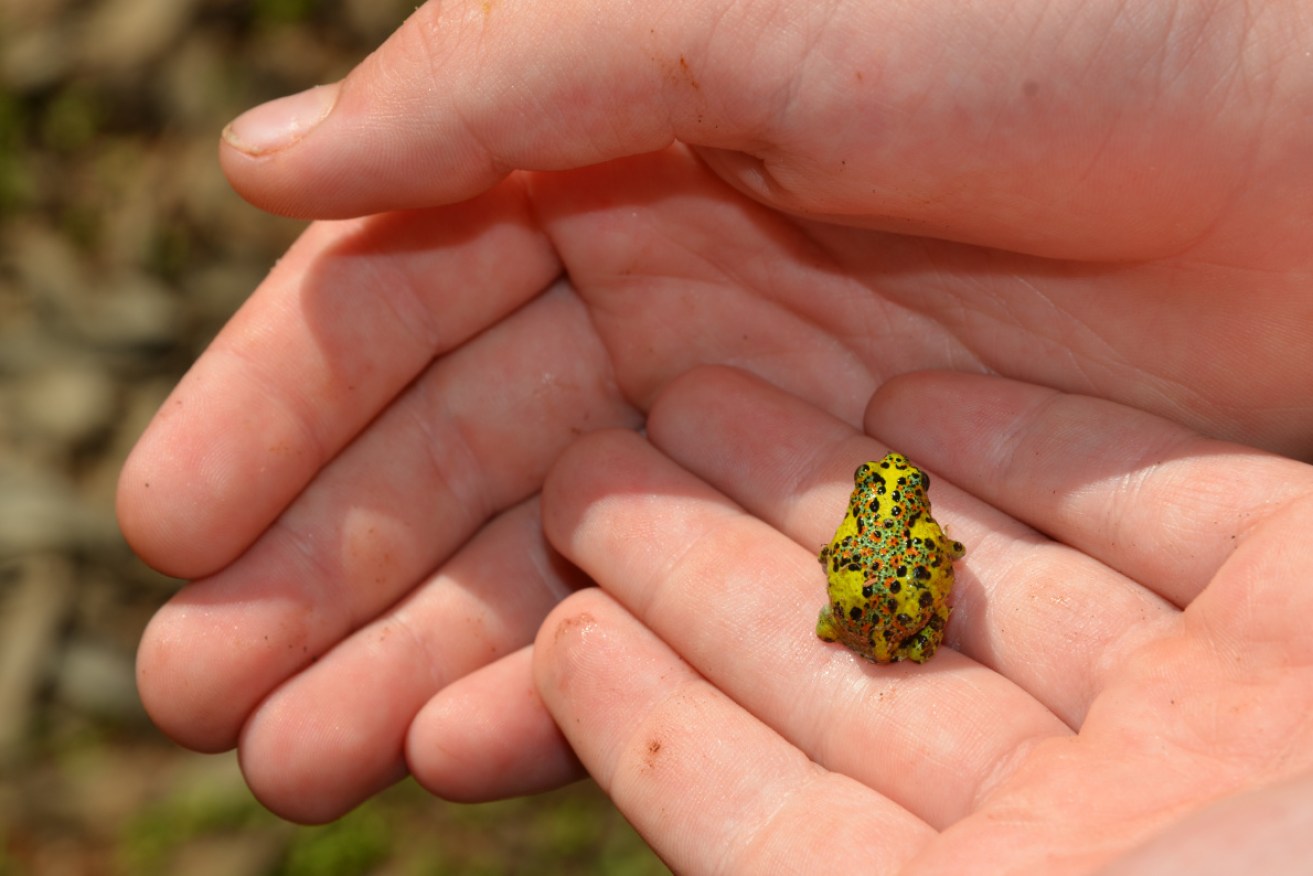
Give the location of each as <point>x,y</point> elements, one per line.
<point>1077,132</point>
<point>465,92</point>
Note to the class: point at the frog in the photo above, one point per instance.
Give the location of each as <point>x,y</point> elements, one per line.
<point>889,567</point>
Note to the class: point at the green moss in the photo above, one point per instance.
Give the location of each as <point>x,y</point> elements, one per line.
<point>157,832</point>
<point>274,12</point>
<point>16,184</point>
<point>71,120</point>
<point>354,844</point>
<point>404,830</point>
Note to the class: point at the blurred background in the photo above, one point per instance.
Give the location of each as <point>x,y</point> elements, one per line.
<point>122,251</point>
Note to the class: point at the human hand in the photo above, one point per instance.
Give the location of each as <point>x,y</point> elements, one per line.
<point>1129,684</point>
<point>1153,158</point>
<point>419,343</point>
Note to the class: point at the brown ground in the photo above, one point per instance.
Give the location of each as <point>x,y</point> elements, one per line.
<point>122,251</point>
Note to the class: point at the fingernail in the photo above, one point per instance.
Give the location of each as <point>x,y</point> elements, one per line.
<point>280,123</point>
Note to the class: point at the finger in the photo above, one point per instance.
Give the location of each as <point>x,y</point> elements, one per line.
<point>1152,499</point>
<point>1017,594</point>
<point>472,436</point>
<point>488,736</point>
<point>710,787</point>
<point>970,146</point>
<point>335,734</point>
<point>738,601</point>
<point>343,323</point>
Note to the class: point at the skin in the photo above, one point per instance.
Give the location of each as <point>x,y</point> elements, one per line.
<point>1077,711</point>
<point>351,474</point>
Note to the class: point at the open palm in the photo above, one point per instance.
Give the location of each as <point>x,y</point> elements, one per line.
<point>1082,712</point>
<point>351,470</point>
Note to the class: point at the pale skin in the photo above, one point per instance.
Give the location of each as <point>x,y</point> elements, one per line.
<point>1108,204</point>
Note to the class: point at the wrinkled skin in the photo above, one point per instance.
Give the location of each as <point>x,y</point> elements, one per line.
<point>1121,223</point>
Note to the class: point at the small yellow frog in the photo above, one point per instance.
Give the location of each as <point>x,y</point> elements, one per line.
<point>889,567</point>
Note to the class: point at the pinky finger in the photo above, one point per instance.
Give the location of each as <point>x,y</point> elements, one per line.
<point>710,787</point>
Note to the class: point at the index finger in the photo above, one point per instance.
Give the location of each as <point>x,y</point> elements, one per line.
<point>343,323</point>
